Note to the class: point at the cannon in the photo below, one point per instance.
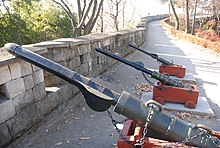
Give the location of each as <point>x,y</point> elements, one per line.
<point>168,89</point>
<point>147,116</point>
<point>166,67</point>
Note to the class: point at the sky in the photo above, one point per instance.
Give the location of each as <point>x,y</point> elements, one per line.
<point>135,9</point>
<point>145,7</point>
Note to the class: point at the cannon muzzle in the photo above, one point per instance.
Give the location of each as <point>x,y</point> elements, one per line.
<point>153,55</point>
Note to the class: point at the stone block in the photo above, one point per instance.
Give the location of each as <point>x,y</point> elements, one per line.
<point>38,50</point>
<point>83,49</point>
<point>15,70</point>
<point>23,100</point>
<point>38,77</point>
<point>7,110</point>
<point>28,82</point>
<point>106,42</point>
<point>57,55</point>
<point>26,68</point>
<point>14,88</point>
<point>39,91</point>
<point>23,120</point>
<point>68,53</point>
<point>66,92</point>
<point>85,58</point>
<point>47,104</point>
<point>47,73</point>
<point>5,75</point>
<point>53,81</point>
<point>5,136</point>
<point>33,113</point>
<point>77,61</point>
<point>83,69</point>
<point>52,44</point>
<point>35,68</point>
<point>72,64</point>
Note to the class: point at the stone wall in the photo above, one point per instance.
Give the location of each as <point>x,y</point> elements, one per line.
<point>28,94</point>
<point>147,19</point>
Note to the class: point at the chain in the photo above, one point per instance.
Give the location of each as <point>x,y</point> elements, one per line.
<point>114,122</point>
<point>186,140</point>
<point>140,144</point>
<point>149,116</point>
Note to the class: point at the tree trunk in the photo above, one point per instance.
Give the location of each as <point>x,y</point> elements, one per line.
<point>94,20</point>
<point>116,17</point>
<point>102,20</point>
<point>175,15</point>
<point>77,32</point>
<point>169,9</point>
<point>187,16</point>
<point>194,18</point>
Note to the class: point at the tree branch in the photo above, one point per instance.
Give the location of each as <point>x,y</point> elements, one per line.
<point>97,14</point>
<point>67,11</point>
<point>79,9</point>
<point>81,22</point>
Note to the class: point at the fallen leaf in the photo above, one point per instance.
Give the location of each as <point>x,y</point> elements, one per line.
<point>76,118</point>
<point>92,116</point>
<point>84,138</point>
<point>78,104</point>
<point>59,143</point>
<point>142,87</point>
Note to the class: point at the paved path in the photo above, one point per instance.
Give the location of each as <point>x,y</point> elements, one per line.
<point>79,126</point>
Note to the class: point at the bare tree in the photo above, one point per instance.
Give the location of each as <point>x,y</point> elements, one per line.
<point>194,18</point>
<point>115,9</point>
<point>88,12</point>
<point>187,16</point>
<point>216,12</point>
<point>175,15</point>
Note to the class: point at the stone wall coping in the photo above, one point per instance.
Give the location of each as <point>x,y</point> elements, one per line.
<point>7,58</point>
<point>68,42</point>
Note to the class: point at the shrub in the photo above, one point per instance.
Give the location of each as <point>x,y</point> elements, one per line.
<point>208,39</point>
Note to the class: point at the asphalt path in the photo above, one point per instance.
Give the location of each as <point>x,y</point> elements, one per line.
<point>79,126</point>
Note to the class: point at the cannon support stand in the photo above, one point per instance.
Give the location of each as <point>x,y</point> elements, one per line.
<point>166,67</point>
